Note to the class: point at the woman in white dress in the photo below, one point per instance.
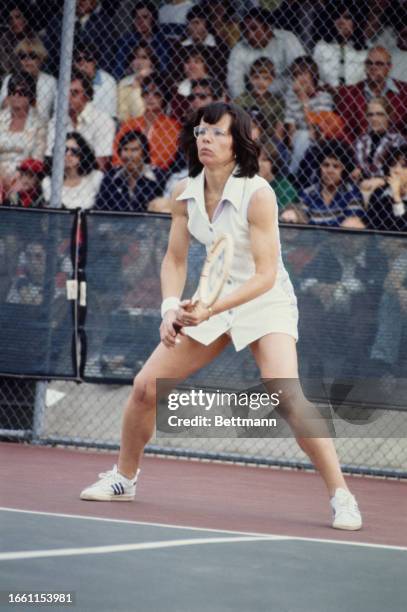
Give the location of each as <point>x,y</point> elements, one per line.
<point>256,309</point>
<point>81,178</point>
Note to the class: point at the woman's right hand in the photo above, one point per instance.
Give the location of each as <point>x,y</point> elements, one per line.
<point>168,334</point>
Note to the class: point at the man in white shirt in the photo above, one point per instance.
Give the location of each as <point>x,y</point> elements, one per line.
<point>261,40</point>
<point>94,125</point>
<point>399,54</point>
<point>104,85</point>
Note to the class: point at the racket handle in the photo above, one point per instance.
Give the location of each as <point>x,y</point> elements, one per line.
<point>177,327</point>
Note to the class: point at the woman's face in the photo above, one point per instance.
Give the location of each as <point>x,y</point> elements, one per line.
<point>331,172</point>
<point>377,118</point>
<point>72,155</point>
<point>141,63</point>
<point>215,143</point>
<point>19,99</point>
<point>17,21</point>
<point>344,26</point>
<point>195,68</point>
<point>143,22</point>
<point>132,155</point>
<point>30,61</point>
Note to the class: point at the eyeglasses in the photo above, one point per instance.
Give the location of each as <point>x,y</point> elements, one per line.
<point>199,96</point>
<point>76,92</point>
<point>376,114</point>
<point>73,150</point>
<point>204,131</point>
<point>23,55</point>
<point>371,63</point>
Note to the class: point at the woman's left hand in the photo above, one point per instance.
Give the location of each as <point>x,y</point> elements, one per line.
<point>191,313</point>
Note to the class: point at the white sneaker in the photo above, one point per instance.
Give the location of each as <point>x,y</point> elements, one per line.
<point>346,511</point>
<point>112,486</point>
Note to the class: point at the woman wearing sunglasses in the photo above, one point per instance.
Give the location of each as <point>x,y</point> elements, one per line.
<point>257,307</point>
<point>22,132</point>
<point>31,55</point>
<point>81,178</point>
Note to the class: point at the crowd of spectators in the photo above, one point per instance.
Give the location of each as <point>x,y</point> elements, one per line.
<point>325,84</point>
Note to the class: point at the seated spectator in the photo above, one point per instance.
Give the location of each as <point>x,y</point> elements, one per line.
<point>351,102</point>
<point>261,76</point>
<point>371,147</point>
<point>195,65</point>
<point>145,30</point>
<point>17,27</point>
<point>399,52</point>
<point>223,21</point>
<point>260,39</point>
<point>377,27</point>
<point>22,132</point>
<point>304,19</point>
<point>161,130</point>
<point>28,286</point>
<point>132,186</point>
<point>333,201</point>
<point>388,204</point>
<point>104,86</point>
<point>341,55</point>
<point>31,54</point>
<point>308,107</point>
<point>81,178</point>
<point>94,23</point>
<point>270,169</point>
<point>143,63</point>
<point>95,126</point>
<point>203,91</point>
<point>26,191</point>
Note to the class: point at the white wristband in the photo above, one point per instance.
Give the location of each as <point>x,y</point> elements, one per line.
<point>170,303</point>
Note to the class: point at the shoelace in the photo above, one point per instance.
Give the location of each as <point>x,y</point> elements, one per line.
<point>349,503</point>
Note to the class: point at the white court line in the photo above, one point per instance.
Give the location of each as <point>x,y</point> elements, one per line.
<point>115,548</point>
<point>254,534</point>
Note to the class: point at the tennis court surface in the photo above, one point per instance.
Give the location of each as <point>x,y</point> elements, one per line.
<point>200,537</point>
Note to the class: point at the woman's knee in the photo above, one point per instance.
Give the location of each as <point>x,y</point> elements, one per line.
<point>144,390</point>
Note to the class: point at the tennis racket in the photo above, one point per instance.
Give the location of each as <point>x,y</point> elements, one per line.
<point>214,272</point>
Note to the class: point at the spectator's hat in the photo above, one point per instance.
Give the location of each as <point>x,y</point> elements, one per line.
<point>32,166</point>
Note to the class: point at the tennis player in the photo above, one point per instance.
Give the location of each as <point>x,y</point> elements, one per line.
<point>257,307</point>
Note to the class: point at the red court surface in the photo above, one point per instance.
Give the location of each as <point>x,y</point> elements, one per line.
<point>201,494</point>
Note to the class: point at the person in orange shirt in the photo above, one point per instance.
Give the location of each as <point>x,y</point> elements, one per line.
<point>160,129</point>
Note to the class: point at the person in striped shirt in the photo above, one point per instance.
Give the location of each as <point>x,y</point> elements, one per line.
<point>334,200</point>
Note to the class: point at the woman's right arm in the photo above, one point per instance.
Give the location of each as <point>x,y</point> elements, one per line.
<point>174,264</point>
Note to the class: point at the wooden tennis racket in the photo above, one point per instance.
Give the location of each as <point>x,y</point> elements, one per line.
<point>215,271</point>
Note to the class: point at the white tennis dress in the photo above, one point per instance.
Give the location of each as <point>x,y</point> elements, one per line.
<point>273,311</point>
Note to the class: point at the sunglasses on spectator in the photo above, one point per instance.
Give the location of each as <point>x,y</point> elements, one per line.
<point>73,150</point>
<point>378,64</point>
<point>203,131</point>
<point>199,96</point>
<point>23,55</point>
<point>376,114</point>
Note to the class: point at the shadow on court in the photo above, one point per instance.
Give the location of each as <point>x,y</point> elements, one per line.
<point>225,538</point>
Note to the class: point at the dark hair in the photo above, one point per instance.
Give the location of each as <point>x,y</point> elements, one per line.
<point>24,81</point>
<point>391,156</point>
<point>244,148</point>
<point>213,85</point>
<point>197,12</point>
<point>150,51</point>
<point>141,138</point>
<point>85,81</point>
<point>355,12</point>
<point>305,64</point>
<point>194,51</point>
<point>151,7</point>
<point>339,151</point>
<point>263,16</point>
<point>272,155</point>
<point>152,80</point>
<point>86,47</point>
<point>87,159</point>
<point>261,64</point>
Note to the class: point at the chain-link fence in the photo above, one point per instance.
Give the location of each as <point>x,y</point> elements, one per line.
<point>325,83</point>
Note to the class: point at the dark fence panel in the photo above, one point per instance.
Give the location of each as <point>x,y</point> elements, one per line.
<point>36,319</point>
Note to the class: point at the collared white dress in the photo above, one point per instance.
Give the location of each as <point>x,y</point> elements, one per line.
<point>273,311</point>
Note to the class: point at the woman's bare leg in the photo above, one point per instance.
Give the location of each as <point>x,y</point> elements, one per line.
<point>276,356</point>
<point>138,422</point>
